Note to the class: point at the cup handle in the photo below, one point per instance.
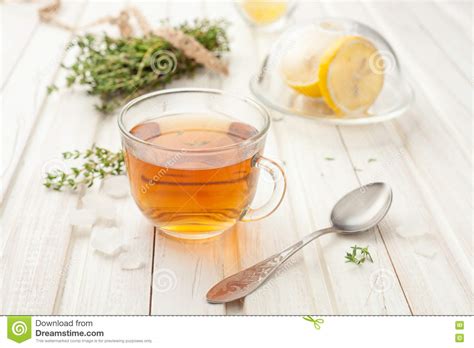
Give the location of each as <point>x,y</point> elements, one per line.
<point>279,189</point>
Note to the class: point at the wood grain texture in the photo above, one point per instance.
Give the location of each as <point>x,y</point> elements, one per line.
<point>183,271</point>
<point>422,250</point>
<point>24,92</point>
<point>418,239</point>
<point>32,252</point>
<point>96,283</point>
<point>21,21</point>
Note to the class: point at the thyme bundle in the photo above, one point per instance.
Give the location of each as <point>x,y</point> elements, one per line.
<point>120,69</point>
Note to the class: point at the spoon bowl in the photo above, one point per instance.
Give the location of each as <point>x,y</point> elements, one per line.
<point>363,208</point>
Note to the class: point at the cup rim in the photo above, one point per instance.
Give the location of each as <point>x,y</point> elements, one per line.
<point>253,139</point>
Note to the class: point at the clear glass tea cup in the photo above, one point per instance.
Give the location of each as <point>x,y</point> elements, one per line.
<point>193,159</point>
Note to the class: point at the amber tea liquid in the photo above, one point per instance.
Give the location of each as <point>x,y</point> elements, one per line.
<point>194,182</point>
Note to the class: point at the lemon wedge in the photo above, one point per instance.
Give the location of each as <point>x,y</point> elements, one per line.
<point>264,11</point>
<point>300,72</point>
<point>347,81</point>
<point>300,64</point>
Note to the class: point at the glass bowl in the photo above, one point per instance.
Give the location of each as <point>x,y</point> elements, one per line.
<point>269,86</point>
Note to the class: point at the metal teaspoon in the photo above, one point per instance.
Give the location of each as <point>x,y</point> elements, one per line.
<point>357,211</point>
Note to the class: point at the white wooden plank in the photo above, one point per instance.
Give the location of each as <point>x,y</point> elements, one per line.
<point>35,228</point>
<point>96,283</point>
<point>242,63</point>
<point>314,280</point>
<point>183,273</point>
<point>320,184</point>
<point>425,240</point>
<point>254,241</point>
<point>184,270</point>
<point>289,292</point>
<point>75,130</point>
<point>455,43</point>
<point>459,13</point>
<point>448,90</point>
<point>23,95</point>
<point>428,256</point>
<point>19,21</point>
<point>425,136</point>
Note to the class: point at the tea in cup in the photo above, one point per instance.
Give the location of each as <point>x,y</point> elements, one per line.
<point>193,160</point>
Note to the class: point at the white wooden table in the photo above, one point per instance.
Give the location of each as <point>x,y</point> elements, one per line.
<point>422,251</point>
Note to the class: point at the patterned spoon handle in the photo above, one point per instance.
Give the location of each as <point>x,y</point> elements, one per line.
<point>244,282</point>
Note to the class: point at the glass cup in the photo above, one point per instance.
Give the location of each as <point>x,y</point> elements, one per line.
<point>269,15</point>
<point>193,160</point>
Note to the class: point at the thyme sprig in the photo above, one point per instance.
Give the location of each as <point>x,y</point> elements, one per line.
<point>316,321</point>
<point>98,163</point>
<point>358,255</point>
<point>119,69</point>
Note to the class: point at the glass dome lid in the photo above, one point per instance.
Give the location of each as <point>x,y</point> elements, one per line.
<point>333,70</point>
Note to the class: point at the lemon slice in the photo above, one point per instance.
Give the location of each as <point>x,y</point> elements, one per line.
<point>300,64</point>
<point>347,81</point>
